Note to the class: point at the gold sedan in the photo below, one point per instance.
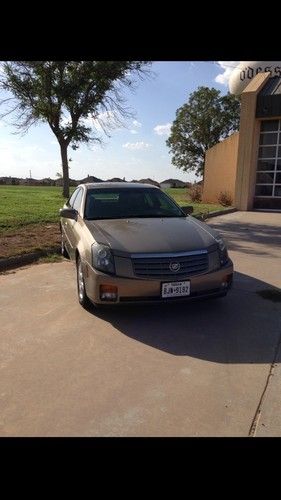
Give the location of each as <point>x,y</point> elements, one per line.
<point>131,242</point>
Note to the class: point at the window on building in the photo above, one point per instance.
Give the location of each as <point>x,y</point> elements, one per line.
<point>268,178</point>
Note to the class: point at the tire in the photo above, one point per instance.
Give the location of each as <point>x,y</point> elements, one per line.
<point>63,249</point>
<point>81,290</point>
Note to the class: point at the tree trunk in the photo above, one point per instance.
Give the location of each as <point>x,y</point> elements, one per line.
<point>65,169</point>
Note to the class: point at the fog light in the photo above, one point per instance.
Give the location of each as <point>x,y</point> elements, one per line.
<point>108,293</point>
<point>227,281</point>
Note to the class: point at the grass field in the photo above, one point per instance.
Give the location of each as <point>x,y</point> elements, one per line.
<point>181,196</point>
<point>23,205</point>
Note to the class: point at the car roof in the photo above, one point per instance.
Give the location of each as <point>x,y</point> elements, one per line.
<point>122,185</point>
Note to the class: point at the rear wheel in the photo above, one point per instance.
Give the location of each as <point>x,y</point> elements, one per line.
<point>82,296</point>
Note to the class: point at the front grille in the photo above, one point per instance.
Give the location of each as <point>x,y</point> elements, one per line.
<point>191,263</point>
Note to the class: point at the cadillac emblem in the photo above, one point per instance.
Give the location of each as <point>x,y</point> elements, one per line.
<point>174,267</point>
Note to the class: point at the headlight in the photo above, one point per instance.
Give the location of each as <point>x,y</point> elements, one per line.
<point>222,250</point>
<point>102,258</point>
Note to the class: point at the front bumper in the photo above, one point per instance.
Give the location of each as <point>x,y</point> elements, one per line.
<point>149,290</point>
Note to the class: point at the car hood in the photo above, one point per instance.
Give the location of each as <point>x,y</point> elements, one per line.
<point>152,235</point>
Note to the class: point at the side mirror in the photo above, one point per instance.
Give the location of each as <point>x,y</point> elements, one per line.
<point>187,210</point>
<point>68,213</point>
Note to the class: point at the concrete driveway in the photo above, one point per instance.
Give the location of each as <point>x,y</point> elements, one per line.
<point>209,368</point>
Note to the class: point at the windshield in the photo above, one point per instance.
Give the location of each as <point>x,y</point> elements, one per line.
<point>126,203</point>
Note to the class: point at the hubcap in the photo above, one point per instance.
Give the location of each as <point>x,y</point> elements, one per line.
<point>80,281</point>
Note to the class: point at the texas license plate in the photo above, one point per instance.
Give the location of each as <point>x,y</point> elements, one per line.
<point>175,289</point>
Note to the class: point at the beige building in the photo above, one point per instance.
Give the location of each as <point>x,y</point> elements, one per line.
<point>247,165</point>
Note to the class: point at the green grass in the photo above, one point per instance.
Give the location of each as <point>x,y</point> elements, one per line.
<point>50,258</point>
<point>181,196</point>
<point>23,205</point>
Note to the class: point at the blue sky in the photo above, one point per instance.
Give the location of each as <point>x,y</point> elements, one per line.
<point>135,152</point>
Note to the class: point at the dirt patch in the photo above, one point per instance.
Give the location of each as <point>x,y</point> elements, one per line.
<point>28,239</point>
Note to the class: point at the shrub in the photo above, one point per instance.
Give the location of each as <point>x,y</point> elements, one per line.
<point>195,193</point>
<point>225,199</point>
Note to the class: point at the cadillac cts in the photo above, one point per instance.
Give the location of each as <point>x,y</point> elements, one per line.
<point>131,242</point>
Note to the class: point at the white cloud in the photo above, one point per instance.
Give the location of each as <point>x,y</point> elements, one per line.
<point>136,145</point>
<point>137,124</point>
<point>162,129</point>
<point>228,67</point>
<point>105,119</point>
<point>102,120</point>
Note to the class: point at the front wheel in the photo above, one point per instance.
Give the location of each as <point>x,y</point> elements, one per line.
<point>82,296</point>
<point>63,249</point>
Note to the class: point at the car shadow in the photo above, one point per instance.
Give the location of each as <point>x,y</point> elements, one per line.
<point>242,327</point>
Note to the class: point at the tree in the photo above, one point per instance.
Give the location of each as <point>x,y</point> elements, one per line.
<point>202,122</point>
<point>65,94</point>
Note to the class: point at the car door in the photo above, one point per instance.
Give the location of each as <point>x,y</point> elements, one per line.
<point>75,225</point>
<point>67,224</point>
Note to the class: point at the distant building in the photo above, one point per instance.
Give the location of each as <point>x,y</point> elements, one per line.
<point>115,179</point>
<point>48,182</point>
<point>90,178</point>
<point>7,180</point>
<point>72,182</point>
<point>27,182</point>
<point>172,183</point>
<point>149,181</point>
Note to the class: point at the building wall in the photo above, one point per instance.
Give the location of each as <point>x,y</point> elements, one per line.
<point>220,169</point>
<point>248,144</point>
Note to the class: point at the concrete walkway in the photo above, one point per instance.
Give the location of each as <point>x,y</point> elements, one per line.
<point>209,368</point>
<point>255,242</point>
<point>254,239</point>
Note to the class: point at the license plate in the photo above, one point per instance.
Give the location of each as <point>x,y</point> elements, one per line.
<point>175,289</point>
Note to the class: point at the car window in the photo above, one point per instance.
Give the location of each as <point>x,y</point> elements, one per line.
<point>116,203</point>
<point>72,198</point>
<point>78,200</point>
